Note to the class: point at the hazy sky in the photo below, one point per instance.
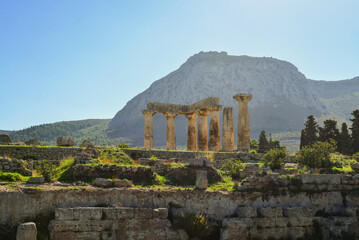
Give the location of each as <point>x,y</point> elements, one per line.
<point>69,60</point>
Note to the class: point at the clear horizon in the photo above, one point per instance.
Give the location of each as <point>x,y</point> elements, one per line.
<point>74,60</point>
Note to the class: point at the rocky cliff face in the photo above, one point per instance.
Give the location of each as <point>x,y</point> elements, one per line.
<point>282,96</point>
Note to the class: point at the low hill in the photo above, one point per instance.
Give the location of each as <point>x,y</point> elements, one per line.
<point>90,129</point>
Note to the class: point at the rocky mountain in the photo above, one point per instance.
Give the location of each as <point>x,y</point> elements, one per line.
<point>282,96</point>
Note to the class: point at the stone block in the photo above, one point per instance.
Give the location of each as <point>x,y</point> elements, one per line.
<point>197,162</point>
<point>237,222</point>
<point>36,180</point>
<point>299,212</point>
<point>124,213</point>
<point>160,213</point>
<point>108,235</point>
<point>87,235</point>
<point>281,222</point>
<point>234,233</point>
<point>67,235</point>
<point>270,212</point>
<point>201,179</point>
<point>80,226</point>
<point>300,221</point>
<point>64,214</point>
<point>87,213</point>
<point>26,231</point>
<point>264,222</point>
<point>321,179</point>
<point>246,212</point>
<point>103,182</point>
<point>122,183</point>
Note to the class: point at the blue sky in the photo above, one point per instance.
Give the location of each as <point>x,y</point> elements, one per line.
<point>69,60</point>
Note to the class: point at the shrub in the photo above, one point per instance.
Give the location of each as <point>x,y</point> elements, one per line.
<point>196,225</point>
<point>233,167</point>
<point>356,156</point>
<point>11,177</point>
<point>274,158</point>
<point>317,155</point>
<point>123,145</point>
<point>48,170</point>
<point>253,151</point>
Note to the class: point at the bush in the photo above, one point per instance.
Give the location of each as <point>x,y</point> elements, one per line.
<point>48,170</point>
<point>11,177</point>
<point>356,156</point>
<point>253,151</point>
<point>318,155</point>
<point>275,158</point>
<point>123,145</point>
<point>232,167</point>
<point>195,225</point>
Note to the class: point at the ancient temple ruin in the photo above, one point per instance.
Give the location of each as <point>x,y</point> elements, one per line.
<point>208,106</point>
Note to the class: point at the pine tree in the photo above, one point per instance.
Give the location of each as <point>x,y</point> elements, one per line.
<point>263,142</point>
<point>328,131</point>
<point>310,132</point>
<point>355,131</point>
<point>344,141</point>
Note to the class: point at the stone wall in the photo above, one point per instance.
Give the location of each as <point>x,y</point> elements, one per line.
<point>14,165</point>
<point>39,153</point>
<point>112,223</point>
<point>136,174</point>
<point>217,157</point>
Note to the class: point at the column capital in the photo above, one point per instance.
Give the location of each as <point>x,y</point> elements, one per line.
<point>215,108</point>
<point>243,97</point>
<point>170,115</point>
<point>147,112</point>
<point>191,115</point>
<point>204,112</point>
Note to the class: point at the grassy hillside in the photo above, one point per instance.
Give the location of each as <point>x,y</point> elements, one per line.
<point>342,105</point>
<point>91,129</point>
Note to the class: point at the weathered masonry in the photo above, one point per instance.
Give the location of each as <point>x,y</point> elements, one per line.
<point>197,137</point>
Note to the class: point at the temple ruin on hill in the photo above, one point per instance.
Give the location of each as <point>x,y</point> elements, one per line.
<point>208,106</point>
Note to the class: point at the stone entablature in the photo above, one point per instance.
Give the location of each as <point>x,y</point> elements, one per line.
<point>201,109</point>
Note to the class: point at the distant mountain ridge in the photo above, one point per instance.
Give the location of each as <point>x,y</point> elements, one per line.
<point>282,96</point>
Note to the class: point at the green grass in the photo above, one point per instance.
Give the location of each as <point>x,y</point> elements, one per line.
<point>12,177</point>
<point>227,185</point>
<point>112,155</point>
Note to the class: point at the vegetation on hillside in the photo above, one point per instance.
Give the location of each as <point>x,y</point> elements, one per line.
<point>93,130</point>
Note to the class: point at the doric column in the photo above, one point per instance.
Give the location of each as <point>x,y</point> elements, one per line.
<point>228,134</point>
<point>171,131</point>
<point>243,141</point>
<point>192,131</point>
<point>203,130</point>
<point>148,140</point>
<point>214,130</point>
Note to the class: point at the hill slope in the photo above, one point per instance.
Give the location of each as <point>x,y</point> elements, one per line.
<point>91,129</point>
<point>282,96</point>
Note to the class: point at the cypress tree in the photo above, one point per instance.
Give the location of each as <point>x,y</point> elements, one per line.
<point>355,131</point>
<point>302,139</point>
<point>328,131</point>
<point>344,141</point>
<point>310,131</point>
<point>263,142</point>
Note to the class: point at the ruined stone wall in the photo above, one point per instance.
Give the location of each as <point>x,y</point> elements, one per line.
<point>217,205</point>
<point>112,223</point>
<point>40,153</point>
<point>14,165</point>
<point>136,174</point>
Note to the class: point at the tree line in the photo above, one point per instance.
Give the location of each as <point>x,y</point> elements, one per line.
<point>346,143</point>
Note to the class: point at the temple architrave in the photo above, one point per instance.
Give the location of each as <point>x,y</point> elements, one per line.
<point>197,137</point>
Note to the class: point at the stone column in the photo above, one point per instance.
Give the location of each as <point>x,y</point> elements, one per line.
<point>214,130</point>
<point>192,132</point>
<point>228,133</point>
<point>171,131</point>
<point>243,141</point>
<point>26,231</point>
<point>149,140</point>
<point>203,130</point>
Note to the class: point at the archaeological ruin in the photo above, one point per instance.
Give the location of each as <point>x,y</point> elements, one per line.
<point>197,138</point>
